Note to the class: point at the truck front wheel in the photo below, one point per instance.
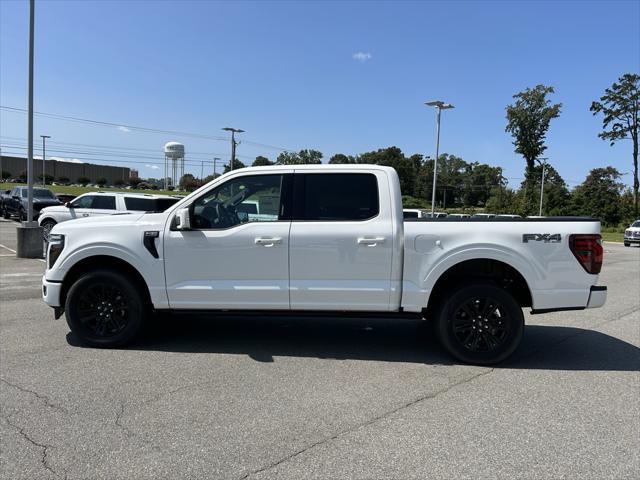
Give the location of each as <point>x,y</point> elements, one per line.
<point>480,324</point>
<point>104,309</point>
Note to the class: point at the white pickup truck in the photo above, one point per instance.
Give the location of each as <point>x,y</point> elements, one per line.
<point>328,238</point>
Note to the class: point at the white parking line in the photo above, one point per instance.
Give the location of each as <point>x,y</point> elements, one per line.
<point>10,249</point>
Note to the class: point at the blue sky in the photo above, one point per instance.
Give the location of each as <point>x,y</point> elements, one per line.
<point>286,73</point>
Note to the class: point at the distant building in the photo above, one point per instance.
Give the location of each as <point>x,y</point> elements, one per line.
<point>133,174</point>
<point>70,170</point>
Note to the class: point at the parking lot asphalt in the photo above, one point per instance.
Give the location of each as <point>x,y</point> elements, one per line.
<point>248,397</point>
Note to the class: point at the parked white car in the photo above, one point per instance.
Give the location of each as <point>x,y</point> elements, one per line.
<point>97,204</point>
<point>324,238</point>
<point>414,213</point>
<point>632,234</point>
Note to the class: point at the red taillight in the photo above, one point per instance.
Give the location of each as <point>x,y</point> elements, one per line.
<point>588,250</point>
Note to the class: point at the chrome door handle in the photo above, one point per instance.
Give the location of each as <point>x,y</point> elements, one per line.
<point>370,241</point>
<point>268,242</point>
<point>85,214</point>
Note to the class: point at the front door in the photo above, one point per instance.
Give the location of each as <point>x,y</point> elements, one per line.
<point>236,254</point>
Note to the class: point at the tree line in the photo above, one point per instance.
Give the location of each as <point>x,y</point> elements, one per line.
<point>472,185</point>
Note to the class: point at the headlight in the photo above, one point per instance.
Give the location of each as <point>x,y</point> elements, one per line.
<point>56,245</point>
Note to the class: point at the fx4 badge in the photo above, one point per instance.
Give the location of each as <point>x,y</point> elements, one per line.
<point>541,237</point>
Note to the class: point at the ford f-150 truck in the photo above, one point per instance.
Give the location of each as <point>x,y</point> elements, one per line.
<point>326,238</point>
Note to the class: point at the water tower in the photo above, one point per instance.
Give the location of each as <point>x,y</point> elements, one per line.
<point>174,153</point>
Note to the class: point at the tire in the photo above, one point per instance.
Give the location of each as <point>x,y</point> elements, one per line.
<point>104,309</point>
<point>47,225</point>
<point>5,214</point>
<point>22,215</point>
<point>626,244</point>
<point>489,338</point>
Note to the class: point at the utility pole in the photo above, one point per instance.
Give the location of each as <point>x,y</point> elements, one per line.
<point>215,160</point>
<point>44,137</point>
<point>233,143</point>
<point>542,161</point>
<point>440,105</point>
<point>29,234</point>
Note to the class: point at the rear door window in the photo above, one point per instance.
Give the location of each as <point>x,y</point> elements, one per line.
<point>104,202</point>
<point>336,196</point>
<point>148,204</point>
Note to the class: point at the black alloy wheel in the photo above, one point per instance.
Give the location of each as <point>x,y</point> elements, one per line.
<point>480,324</point>
<point>105,309</point>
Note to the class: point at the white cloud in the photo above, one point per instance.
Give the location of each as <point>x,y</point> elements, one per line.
<point>152,167</point>
<point>68,160</point>
<point>122,128</point>
<point>362,56</point>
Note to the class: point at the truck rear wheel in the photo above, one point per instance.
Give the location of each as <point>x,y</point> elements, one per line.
<point>104,309</point>
<point>480,324</point>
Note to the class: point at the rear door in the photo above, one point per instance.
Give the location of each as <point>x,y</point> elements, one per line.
<point>341,241</point>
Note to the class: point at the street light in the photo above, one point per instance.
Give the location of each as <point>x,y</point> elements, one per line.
<point>440,105</point>
<point>44,137</point>
<point>542,161</point>
<point>233,143</point>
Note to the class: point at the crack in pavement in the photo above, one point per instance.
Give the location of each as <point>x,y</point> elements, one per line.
<point>40,396</point>
<point>45,448</point>
<point>371,421</point>
<point>367,423</point>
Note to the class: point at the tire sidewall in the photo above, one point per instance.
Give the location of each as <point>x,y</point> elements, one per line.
<point>462,295</point>
<point>137,309</point>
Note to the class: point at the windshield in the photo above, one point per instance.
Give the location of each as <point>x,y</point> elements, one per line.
<point>636,223</point>
<point>38,192</point>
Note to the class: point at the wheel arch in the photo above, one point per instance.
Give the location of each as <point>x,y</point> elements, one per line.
<point>489,270</point>
<point>104,262</point>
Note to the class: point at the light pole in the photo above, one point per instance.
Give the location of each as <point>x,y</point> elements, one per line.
<point>44,138</point>
<point>233,143</point>
<point>440,105</point>
<point>542,161</point>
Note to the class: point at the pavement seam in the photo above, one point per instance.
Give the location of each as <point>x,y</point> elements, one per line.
<point>40,396</point>
<point>45,448</point>
<point>366,424</point>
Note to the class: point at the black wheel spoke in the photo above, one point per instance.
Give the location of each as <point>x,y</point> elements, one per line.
<point>103,310</point>
<point>479,324</point>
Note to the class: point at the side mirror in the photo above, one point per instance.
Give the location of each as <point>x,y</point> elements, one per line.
<point>183,219</point>
<point>67,204</point>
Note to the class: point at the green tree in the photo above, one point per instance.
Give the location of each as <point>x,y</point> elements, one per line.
<point>599,195</point>
<point>237,164</point>
<point>303,157</point>
<point>393,157</point>
<point>619,106</point>
<point>5,174</point>
<point>261,161</point>
<point>101,182</point>
<point>556,197</point>
<point>528,121</point>
<point>119,182</point>
<point>63,179</point>
<point>83,180</point>
<point>189,183</point>
<point>341,159</point>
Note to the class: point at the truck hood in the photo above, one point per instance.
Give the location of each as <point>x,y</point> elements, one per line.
<point>117,220</point>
